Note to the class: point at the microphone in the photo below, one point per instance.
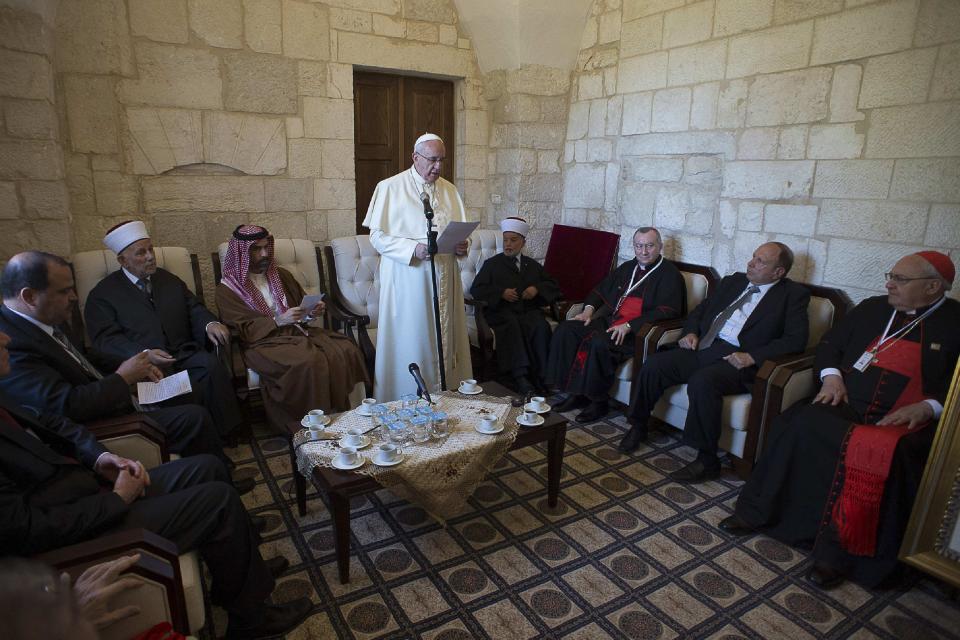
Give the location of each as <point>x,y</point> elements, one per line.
<point>422,391</point>
<point>427,208</point>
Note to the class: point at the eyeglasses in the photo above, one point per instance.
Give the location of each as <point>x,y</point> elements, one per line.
<point>896,278</point>
<point>649,246</point>
<point>432,160</point>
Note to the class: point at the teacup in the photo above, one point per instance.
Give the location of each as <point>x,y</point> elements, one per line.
<point>468,385</point>
<point>353,438</point>
<point>347,457</point>
<point>539,403</point>
<point>389,453</point>
<point>529,416</point>
<point>316,417</point>
<point>367,405</point>
<point>488,423</point>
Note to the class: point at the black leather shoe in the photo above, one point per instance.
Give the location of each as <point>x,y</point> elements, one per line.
<point>631,441</point>
<point>734,525</point>
<point>572,402</point>
<point>274,620</point>
<point>594,411</point>
<point>695,472</point>
<point>523,385</point>
<point>277,565</point>
<point>825,577</point>
<point>244,485</point>
<point>259,523</point>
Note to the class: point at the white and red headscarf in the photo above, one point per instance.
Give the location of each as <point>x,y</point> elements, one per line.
<point>236,271</point>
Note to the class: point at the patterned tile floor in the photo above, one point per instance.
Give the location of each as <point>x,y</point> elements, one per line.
<point>626,554</point>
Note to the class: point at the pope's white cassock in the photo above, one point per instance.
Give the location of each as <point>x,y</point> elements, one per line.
<point>405,329</point>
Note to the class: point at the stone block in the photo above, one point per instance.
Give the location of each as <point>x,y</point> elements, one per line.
<point>853,178</point>
<point>861,264</point>
<point>845,93</point>
<point>423,32</point>
<point>793,143</point>
<point>294,127</point>
<point>633,9</point>
<point>160,21</point>
<point>304,158</point>
<point>917,131</point>
<point>117,194</point>
<point>528,161</point>
<point>474,193</point>
<point>692,23</point>
<point>931,180</point>
<point>873,220</point>
<point>306,31</point>
<point>750,216</point>
<point>389,7</point>
<point>642,73</point>
<point>350,20</point>
<point>430,10</point>
<point>798,220</point>
<point>90,103</point>
<point>608,29</point>
<point>540,136</point>
<point>25,75</point>
<point>79,181</point>
<point>684,207</point>
<point>637,109</point>
<point>157,140</point>
<point>943,230</point>
<point>568,151</point>
<point>694,249</point>
<point>865,31</point>
<point>590,31</point>
<point>387,26</point>
<point>728,219</point>
<point>703,108</point>
<point>288,194</point>
<point>540,188</point>
<point>770,50</point>
<point>252,144</point>
<point>770,179</point>
<point>671,110</point>
<point>341,223</point>
<point>173,76</point>
<point>834,141</point>
<point>614,115</point>
<point>590,86</point>
<point>897,78</point>
<point>334,194</point>
<point>448,35</point>
<point>538,80</point>
<point>732,104</point>
<point>92,36</point>
<point>584,186</point>
<point>328,118</point>
<point>789,98</point>
<point>25,31</point>
<point>475,129</point>
<point>312,78</point>
<point>317,225</point>
<point>684,142</point>
<point>548,161</point>
<point>703,169</point>
<point>611,186</point>
<point>734,16</point>
<point>9,204</point>
<point>105,163</point>
<point>474,163</point>
<point>203,193</point>
<point>263,25</point>
<point>42,235</point>
<point>463,43</point>
<point>758,144</point>
<point>338,159</point>
<point>371,50</point>
<point>598,118</point>
<point>641,36</point>
<point>653,169</point>
<point>218,23</point>
<point>697,63</point>
<point>637,202</point>
<point>580,151</point>
<point>46,200</point>
<point>599,150</point>
<point>937,22</point>
<point>946,77</point>
<point>34,119</point>
<point>793,10</point>
<point>260,83</point>
<point>285,224</point>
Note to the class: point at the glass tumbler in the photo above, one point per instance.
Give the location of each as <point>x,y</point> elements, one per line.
<point>441,428</point>
<point>420,429</point>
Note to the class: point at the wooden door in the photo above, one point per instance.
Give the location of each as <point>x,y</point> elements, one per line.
<point>390,113</point>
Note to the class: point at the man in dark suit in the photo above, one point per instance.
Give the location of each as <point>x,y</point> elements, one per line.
<point>52,375</point>
<point>748,319</point>
<point>59,486</point>
<point>143,308</point>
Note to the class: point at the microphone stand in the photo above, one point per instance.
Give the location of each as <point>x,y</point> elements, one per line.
<point>432,249</point>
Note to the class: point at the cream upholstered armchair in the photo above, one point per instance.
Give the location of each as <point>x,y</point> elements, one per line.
<point>745,416</point>
<point>354,305</point>
<point>485,243</point>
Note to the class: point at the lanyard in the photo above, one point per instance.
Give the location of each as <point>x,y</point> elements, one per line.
<point>633,285</point>
<point>902,331</point>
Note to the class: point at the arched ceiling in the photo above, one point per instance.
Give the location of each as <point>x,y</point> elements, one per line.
<point>507,34</point>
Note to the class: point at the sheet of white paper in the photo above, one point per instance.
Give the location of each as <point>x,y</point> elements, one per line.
<point>454,233</point>
<point>169,387</point>
<point>310,301</point>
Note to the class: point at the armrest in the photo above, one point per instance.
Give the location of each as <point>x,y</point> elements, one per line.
<point>484,332</point>
<point>133,435</point>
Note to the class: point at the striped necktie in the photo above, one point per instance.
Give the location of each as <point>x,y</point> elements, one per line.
<point>725,315</point>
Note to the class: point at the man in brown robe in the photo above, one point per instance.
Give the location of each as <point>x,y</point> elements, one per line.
<point>301,367</point>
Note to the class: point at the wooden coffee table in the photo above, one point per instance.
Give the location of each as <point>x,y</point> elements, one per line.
<point>340,486</point>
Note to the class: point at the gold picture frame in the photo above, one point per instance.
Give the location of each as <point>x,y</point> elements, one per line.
<point>932,539</point>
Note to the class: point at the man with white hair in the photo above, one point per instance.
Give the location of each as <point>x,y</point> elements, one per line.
<point>514,289</point>
<point>398,231</point>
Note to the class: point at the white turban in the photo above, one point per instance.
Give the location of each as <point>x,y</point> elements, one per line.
<point>427,137</point>
<point>125,234</point>
<point>516,225</point>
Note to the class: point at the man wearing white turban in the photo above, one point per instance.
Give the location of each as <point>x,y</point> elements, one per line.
<point>398,231</point>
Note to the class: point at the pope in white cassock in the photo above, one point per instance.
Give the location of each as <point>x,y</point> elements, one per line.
<point>398,230</point>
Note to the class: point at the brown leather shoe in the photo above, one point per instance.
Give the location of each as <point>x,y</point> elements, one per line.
<point>825,577</point>
<point>734,525</point>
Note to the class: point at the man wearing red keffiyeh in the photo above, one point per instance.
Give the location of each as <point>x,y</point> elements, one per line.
<point>842,473</point>
<point>301,367</point>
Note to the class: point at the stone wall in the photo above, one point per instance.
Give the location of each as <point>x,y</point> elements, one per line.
<point>33,193</point>
<point>833,126</point>
<point>199,115</point>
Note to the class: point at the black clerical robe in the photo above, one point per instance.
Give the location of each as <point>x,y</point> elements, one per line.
<point>791,493</point>
<point>583,359</point>
<point>522,331</point>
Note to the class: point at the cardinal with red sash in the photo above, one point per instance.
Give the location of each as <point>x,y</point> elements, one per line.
<point>841,473</point>
<point>586,350</point>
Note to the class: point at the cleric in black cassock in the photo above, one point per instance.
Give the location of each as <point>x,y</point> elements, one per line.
<point>586,350</point>
<point>515,288</point>
<point>842,473</point>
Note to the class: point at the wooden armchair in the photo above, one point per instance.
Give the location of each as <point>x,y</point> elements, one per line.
<point>354,304</point>
<point>579,258</point>
<point>485,244</point>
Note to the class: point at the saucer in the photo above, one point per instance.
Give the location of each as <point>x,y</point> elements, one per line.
<point>360,412</point>
<point>348,467</point>
<point>380,462</point>
<point>488,433</point>
<point>364,443</point>
<point>304,423</point>
<point>535,423</point>
<point>529,407</point>
<point>479,389</point>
